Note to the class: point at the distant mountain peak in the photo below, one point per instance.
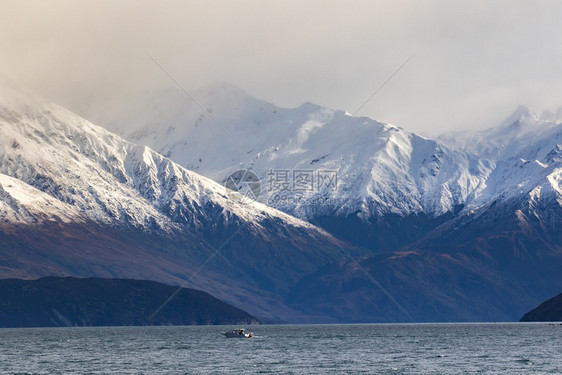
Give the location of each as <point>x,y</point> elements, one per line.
<point>551,116</point>
<point>521,114</point>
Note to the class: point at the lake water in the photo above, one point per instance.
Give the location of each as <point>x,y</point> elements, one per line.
<point>287,349</point>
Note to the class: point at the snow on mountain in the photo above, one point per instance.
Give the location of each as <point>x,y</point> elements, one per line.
<point>490,262</point>
<point>71,166</point>
<point>380,169</point>
<point>523,134</point>
<point>22,203</point>
<point>525,150</point>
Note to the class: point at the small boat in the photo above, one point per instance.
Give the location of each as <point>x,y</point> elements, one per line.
<point>238,333</point>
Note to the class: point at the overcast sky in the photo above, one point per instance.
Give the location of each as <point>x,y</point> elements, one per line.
<point>473,61</point>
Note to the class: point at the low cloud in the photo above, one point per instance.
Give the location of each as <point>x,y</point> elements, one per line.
<point>473,63</point>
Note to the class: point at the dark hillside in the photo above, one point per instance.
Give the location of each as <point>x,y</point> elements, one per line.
<point>68,301</point>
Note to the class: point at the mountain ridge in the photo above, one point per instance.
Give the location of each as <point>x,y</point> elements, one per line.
<point>112,193</point>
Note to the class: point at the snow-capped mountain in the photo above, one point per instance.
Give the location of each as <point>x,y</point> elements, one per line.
<point>96,204</point>
<point>89,170</point>
<point>380,169</point>
<point>526,151</point>
<point>523,134</point>
<point>502,252</point>
<point>497,257</point>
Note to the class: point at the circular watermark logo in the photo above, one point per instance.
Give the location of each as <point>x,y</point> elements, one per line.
<point>243,186</point>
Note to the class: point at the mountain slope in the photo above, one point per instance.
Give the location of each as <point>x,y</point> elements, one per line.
<point>497,259</point>
<point>78,200</point>
<point>523,134</point>
<point>493,265</point>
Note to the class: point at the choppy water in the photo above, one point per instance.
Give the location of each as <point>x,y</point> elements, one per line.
<point>322,349</point>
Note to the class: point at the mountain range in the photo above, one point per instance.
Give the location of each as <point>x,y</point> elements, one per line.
<point>356,220</point>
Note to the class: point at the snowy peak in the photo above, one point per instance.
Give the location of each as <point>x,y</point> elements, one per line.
<point>525,153</point>
<point>517,136</point>
<point>380,168</point>
<point>375,169</point>
<point>81,167</point>
<point>552,116</point>
<point>520,117</point>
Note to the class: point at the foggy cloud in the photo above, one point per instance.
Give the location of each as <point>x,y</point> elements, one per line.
<point>473,63</point>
